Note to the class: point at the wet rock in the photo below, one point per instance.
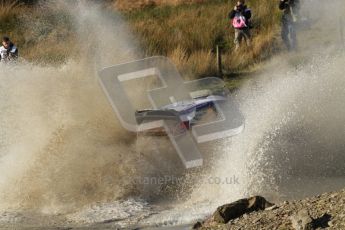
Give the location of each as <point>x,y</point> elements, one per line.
<point>197,225</point>
<point>234,210</point>
<point>323,221</point>
<point>302,220</point>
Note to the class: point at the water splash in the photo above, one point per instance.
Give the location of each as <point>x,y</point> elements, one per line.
<point>63,150</point>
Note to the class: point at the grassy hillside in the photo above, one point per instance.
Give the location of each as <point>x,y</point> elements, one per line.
<point>129,5</point>
<point>189,33</point>
<point>43,35</point>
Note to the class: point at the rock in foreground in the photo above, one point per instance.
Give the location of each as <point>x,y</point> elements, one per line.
<point>326,211</point>
<point>238,208</point>
<point>234,210</point>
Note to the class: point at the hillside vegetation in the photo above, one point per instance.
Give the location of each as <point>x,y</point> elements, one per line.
<point>188,33</point>
<point>128,5</point>
<point>44,34</point>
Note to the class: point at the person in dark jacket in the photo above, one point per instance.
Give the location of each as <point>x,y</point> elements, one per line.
<point>289,19</point>
<point>240,17</point>
<point>8,51</point>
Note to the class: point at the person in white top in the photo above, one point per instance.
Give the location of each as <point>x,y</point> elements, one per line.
<point>8,51</point>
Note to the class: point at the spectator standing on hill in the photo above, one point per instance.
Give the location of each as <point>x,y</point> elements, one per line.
<point>240,19</point>
<point>8,51</point>
<point>289,19</point>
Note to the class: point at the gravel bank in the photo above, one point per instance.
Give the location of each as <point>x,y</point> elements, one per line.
<point>327,211</point>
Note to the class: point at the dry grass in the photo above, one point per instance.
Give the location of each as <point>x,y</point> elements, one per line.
<point>43,34</point>
<point>128,5</point>
<point>48,37</point>
<point>188,34</point>
<point>198,63</point>
<point>9,8</point>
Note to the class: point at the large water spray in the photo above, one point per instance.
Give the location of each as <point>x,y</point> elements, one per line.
<point>63,150</point>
